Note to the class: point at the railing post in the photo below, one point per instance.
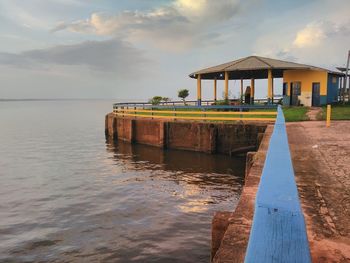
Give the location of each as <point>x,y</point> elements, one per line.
<point>329,111</point>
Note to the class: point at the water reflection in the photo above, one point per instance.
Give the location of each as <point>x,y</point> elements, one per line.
<point>181,191</point>
<point>199,169</point>
<point>205,179</point>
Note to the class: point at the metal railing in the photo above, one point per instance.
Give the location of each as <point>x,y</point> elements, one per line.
<point>198,115</point>
<point>164,104</point>
<point>278,232</point>
<point>263,103</point>
<point>189,110</point>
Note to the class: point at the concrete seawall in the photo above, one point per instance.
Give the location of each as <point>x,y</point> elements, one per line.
<point>186,135</point>
<point>230,230</point>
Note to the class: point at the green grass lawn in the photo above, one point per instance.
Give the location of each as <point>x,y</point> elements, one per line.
<point>295,113</point>
<point>339,112</point>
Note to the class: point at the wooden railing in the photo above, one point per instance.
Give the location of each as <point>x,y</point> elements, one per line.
<point>278,232</point>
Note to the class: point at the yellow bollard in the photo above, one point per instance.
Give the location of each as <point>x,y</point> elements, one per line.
<point>328,122</point>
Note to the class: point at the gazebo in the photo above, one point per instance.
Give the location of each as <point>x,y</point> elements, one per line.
<point>252,67</point>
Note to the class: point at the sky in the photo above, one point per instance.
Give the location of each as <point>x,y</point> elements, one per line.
<point>136,49</point>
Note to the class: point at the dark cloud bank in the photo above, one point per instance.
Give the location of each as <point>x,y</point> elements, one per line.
<point>108,56</point>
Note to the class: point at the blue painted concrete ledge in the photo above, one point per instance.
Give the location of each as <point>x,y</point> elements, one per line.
<point>278,232</point>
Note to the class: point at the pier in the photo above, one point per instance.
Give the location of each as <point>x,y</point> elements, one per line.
<point>295,203</point>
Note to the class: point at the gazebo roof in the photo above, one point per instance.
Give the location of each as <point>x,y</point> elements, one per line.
<point>253,67</point>
<point>342,69</point>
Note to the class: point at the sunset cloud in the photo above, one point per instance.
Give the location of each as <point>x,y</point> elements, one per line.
<point>316,32</point>
<point>310,36</point>
<point>318,42</point>
<point>173,27</point>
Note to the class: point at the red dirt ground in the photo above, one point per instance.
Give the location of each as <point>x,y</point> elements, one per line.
<point>321,159</point>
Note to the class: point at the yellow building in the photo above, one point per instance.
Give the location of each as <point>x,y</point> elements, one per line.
<point>302,84</point>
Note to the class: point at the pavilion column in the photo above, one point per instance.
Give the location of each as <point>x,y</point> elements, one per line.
<point>343,88</point>
<point>215,90</point>
<point>199,90</point>
<point>252,91</point>
<point>226,85</point>
<point>347,78</point>
<point>269,86</point>
<point>341,93</point>
<point>242,91</point>
<point>273,87</point>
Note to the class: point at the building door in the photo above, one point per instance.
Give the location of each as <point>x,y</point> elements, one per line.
<point>316,94</point>
<point>295,91</point>
<point>286,98</point>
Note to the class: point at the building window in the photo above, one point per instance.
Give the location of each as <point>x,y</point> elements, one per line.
<point>334,80</point>
<point>296,87</point>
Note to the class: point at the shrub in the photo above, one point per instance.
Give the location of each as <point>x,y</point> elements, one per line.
<point>155,100</point>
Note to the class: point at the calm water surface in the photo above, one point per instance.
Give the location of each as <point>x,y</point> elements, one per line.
<point>67,195</point>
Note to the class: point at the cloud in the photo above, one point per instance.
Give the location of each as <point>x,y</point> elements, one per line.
<point>325,42</point>
<point>309,36</point>
<point>105,56</point>
<point>319,42</point>
<point>314,33</point>
<point>175,26</point>
<point>207,11</point>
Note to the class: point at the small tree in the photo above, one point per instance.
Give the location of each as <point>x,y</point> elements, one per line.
<point>155,100</point>
<point>183,94</point>
<point>166,99</point>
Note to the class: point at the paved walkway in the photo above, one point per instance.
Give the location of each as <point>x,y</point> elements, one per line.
<point>321,159</point>
<point>313,113</point>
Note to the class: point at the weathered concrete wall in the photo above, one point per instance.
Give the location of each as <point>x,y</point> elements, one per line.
<point>249,162</point>
<point>233,136</point>
<point>186,135</point>
<point>193,136</point>
<point>218,228</point>
<point>111,126</point>
<point>125,129</point>
<point>149,132</point>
